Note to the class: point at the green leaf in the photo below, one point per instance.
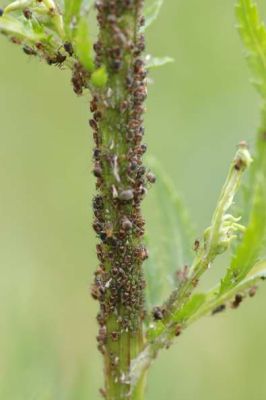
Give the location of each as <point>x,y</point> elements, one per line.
<point>99,77</point>
<point>154,62</point>
<point>151,11</point>
<point>248,251</point>
<point>17,5</point>
<point>83,45</point>
<point>253,34</point>
<point>13,27</point>
<point>171,249</point>
<point>72,10</point>
<point>190,308</point>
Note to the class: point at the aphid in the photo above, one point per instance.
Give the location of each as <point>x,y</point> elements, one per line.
<point>57,59</point>
<point>1,12</point>
<point>126,195</point>
<point>95,293</point>
<point>151,177</point>
<point>252,291</point>
<point>218,309</point>
<point>237,301</point>
<point>157,313</point>
<point>178,330</point>
<point>126,224</point>
<point>29,51</point>
<point>69,48</point>
<point>97,171</point>
<point>238,164</point>
<point>27,13</point>
<point>196,245</point>
<point>102,392</point>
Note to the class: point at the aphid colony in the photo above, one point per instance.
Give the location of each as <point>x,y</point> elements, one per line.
<point>121,178</point>
<point>43,50</point>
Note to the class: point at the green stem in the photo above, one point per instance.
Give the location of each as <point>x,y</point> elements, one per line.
<point>216,240</point>
<point>117,123</point>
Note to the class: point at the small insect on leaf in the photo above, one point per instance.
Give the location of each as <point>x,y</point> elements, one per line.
<point>99,77</point>
<point>83,45</point>
<point>13,27</point>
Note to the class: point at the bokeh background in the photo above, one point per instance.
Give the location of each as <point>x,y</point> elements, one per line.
<point>199,108</point>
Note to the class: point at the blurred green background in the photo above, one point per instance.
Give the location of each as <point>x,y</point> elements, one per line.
<point>199,108</point>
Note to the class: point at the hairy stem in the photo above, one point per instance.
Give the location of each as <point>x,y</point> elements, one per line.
<point>117,124</point>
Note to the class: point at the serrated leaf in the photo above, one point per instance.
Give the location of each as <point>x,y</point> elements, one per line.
<point>154,62</point>
<point>253,34</point>
<point>171,250</point>
<point>151,11</point>
<point>83,45</point>
<point>248,251</point>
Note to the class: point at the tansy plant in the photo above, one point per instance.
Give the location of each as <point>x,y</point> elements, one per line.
<point>135,324</point>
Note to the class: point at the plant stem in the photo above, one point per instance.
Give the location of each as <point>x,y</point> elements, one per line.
<point>216,240</point>
<point>117,123</point>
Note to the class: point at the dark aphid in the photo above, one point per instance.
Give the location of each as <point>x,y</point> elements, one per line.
<point>27,13</point>
<point>237,301</point>
<point>157,314</point>
<point>196,245</point>
<point>178,330</point>
<point>29,51</point>
<point>218,309</point>
<point>1,12</point>
<point>57,59</point>
<point>69,48</point>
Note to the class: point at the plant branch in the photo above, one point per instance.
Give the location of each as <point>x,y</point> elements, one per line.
<point>217,239</point>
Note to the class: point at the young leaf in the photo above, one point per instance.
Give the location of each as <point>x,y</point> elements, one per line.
<point>13,27</point>
<point>151,11</point>
<point>154,62</point>
<point>253,34</point>
<point>249,249</point>
<point>99,77</point>
<point>83,45</point>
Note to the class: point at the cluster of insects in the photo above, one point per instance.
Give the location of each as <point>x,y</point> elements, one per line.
<point>121,178</point>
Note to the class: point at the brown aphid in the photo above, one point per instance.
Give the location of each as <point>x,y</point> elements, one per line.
<point>238,165</point>
<point>196,245</point>
<point>27,13</point>
<point>103,393</point>
<point>157,313</point>
<point>178,330</point>
<point>237,301</point>
<point>126,224</point>
<point>115,336</point>
<point>252,291</point>
<point>95,292</point>
<point>218,309</point>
